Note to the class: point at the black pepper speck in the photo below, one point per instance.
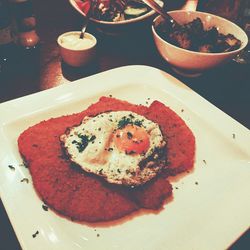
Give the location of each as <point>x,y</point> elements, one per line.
<point>11,167</point>
<point>45,208</point>
<point>25,180</point>
<point>35,234</point>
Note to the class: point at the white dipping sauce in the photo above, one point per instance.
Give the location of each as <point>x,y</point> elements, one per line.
<point>74,42</point>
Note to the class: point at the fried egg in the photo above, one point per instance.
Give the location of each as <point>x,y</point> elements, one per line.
<point>122,147</point>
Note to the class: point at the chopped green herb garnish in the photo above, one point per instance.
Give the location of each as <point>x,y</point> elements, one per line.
<point>124,121</point>
<point>129,135</point>
<point>45,208</point>
<point>138,123</point>
<point>85,139</point>
<point>25,180</point>
<point>128,120</point>
<point>11,167</point>
<point>35,234</point>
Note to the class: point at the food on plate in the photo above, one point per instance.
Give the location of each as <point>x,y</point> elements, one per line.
<point>113,10</point>
<point>76,189</point>
<point>193,36</point>
<point>121,146</point>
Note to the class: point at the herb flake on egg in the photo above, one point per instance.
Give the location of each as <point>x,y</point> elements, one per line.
<point>85,140</point>
<point>129,135</point>
<point>129,120</point>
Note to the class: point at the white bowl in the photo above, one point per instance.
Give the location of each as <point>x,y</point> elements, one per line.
<point>190,62</point>
<point>76,56</point>
<point>114,28</point>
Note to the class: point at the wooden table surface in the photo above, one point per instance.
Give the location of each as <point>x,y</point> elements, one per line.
<point>227,87</point>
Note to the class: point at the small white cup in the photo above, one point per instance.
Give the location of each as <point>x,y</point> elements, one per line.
<point>75,51</point>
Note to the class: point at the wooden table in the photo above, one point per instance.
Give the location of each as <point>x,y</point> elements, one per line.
<point>227,87</point>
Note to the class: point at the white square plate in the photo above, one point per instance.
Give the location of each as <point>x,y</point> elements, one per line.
<point>210,208</point>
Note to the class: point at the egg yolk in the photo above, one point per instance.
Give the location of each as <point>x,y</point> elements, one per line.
<point>132,139</point>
